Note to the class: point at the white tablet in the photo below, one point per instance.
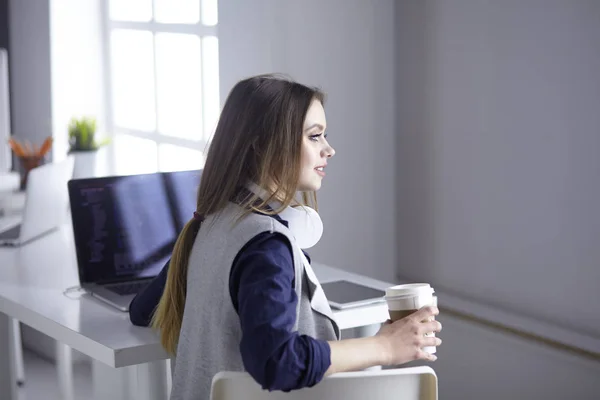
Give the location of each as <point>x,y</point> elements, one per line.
<point>344,294</point>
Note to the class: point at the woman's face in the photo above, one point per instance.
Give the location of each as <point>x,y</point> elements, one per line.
<point>315,149</point>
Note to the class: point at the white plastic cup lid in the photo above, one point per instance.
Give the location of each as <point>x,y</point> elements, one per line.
<point>409,290</point>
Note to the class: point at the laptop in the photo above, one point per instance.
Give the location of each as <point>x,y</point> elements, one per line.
<point>125,228</point>
<point>46,203</point>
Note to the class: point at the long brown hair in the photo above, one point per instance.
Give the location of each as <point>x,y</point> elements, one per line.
<point>258,139</point>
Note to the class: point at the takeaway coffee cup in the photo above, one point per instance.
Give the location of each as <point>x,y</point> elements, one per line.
<point>403,300</point>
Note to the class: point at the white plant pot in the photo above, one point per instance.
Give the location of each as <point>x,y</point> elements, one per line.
<point>89,164</point>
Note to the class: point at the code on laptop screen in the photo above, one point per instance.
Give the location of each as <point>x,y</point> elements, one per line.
<point>126,226</point>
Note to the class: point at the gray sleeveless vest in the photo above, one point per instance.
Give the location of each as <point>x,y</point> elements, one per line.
<point>210,333</point>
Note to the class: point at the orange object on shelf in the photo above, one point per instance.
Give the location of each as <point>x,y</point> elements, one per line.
<point>29,155</point>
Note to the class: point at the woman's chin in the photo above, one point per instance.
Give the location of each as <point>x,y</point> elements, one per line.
<point>309,187</point>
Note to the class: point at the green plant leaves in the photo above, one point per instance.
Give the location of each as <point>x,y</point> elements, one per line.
<point>82,135</point>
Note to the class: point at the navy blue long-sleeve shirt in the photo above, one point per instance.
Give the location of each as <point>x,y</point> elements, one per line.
<point>261,286</point>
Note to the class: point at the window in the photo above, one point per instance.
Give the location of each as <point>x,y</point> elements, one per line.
<point>163,81</point>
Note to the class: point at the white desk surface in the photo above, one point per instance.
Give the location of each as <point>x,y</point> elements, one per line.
<point>33,278</point>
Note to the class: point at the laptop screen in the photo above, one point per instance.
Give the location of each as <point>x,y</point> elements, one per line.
<point>126,226</point>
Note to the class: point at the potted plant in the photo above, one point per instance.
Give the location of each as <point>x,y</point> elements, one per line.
<point>29,155</point>
<point>84,146</point>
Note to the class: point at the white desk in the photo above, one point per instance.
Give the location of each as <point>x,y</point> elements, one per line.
<point>128,361</point>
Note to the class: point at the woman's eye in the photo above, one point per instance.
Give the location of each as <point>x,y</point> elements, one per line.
<point>315,138</point>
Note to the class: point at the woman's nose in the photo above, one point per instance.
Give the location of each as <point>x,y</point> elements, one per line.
<point>329,151</point>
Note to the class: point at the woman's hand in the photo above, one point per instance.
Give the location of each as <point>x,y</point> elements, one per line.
<point>395,343</point>
<point>404,339</point>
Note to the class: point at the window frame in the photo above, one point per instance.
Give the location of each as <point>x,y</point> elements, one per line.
<point>113,131</point>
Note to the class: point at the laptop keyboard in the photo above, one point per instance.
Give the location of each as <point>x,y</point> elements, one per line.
<point>126,288</point>
<point>12,233</point>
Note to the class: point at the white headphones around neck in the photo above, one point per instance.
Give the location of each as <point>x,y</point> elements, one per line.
<point>304,222</point>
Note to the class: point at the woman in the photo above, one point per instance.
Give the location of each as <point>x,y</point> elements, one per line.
<point>240,293</point>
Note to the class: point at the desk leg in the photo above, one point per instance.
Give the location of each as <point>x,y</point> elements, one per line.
<point>113,383</point>
<point>140,382</point>
<point>366,331</point>
<point>20,365</point>
<point>8,375</point>
<point>152,380</point>
<point>64,368</point>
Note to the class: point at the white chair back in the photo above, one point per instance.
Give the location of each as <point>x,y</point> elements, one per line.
<point>416,383</point>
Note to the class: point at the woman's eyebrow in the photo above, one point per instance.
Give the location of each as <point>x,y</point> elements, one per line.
<point>317,125</point>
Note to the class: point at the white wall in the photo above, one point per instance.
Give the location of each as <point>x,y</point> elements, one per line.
<point>346,48</point>
<point>478,362</point>
<point>498,120</point>
<point>30,69</point>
